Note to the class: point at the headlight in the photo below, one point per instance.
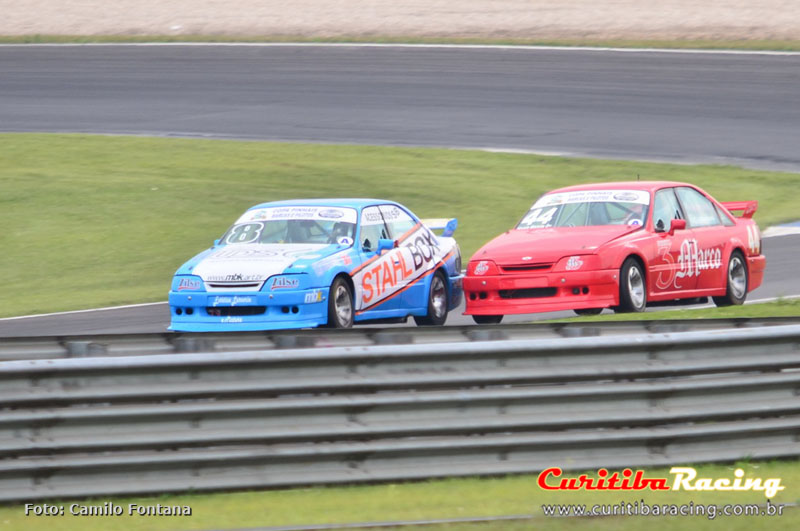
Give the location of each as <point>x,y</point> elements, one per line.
<point>481,268</point>
<point>578,262</point>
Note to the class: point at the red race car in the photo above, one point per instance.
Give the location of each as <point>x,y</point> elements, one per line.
<point>617,245</point>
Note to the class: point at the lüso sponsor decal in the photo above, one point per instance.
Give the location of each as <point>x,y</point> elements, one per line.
<point>189,284</point>
<point>285,283</point>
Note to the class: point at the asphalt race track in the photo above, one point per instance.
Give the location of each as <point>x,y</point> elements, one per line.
<point>721,108</point>
<point>683,107</point>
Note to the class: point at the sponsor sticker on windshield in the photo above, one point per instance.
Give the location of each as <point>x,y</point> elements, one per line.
<point>593,196</point>
<point>299,212</point>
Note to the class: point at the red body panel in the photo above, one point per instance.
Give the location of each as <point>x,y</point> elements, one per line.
<point>563,268</point>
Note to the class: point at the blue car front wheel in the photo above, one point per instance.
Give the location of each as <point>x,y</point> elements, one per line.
<point>340,304</point>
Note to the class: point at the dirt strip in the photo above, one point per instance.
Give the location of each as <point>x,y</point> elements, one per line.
<point>494,19</point>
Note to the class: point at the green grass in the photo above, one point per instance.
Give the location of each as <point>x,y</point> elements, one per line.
<point>707,44</point>
<point>93,221</point>
<point>779,308</point>
<point>439,499</point>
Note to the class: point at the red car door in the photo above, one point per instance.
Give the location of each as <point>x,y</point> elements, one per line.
<point>669,276</point>
<point>704,259</point>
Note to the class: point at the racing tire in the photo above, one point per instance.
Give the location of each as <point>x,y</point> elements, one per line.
<point>487,319</point>
<point>340,304</point>
<point>437,303</point>
<point>588,311</point>
<point>632,288</point>
<point>737,282</point>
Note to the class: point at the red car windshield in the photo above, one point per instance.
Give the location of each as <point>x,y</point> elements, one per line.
<point>588,208</point>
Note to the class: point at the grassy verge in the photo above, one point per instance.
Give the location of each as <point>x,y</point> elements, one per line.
<point>725,44</point>
<point>93,221</point>
<point>779,308</point>
<point>439,499</point>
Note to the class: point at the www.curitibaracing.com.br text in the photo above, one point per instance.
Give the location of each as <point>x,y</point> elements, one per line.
<point>640,508</point>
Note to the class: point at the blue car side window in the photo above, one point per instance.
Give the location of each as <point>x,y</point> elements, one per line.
<point>373,229</point>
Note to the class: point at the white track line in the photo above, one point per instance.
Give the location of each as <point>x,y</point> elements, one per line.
<point>91,310</point>
<point>754,301</point>
<point>773,299</point>
<point>780,230</point>
<point>432,46</point>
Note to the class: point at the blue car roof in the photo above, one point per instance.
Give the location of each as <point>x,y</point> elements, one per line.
<point>341,202</point>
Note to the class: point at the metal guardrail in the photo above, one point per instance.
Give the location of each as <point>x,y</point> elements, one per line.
<point>266,418</point>
<point>78,346</point>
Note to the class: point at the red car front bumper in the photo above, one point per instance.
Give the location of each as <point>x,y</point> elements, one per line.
<point>548,292</point>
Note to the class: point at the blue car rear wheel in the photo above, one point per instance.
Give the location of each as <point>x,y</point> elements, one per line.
<point>437,302</point>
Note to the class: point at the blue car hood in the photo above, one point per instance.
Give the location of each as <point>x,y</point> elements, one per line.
<point>256,262</point>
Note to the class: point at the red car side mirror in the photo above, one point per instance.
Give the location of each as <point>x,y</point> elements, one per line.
<point>677,224</point>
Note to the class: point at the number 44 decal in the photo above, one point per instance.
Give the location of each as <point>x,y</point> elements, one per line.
<point>537,217</point>
<point>753,239</point>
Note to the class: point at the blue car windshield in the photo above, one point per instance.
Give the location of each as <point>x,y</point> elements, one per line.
<point>291,231</point>
<point>294,224</point>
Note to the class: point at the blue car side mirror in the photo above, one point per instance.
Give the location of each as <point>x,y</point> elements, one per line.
<point>385,244</point>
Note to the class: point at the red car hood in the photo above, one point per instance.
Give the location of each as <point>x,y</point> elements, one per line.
<point>547,245</point>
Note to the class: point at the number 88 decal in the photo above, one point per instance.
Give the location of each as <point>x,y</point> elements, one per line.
<point>245,233</point>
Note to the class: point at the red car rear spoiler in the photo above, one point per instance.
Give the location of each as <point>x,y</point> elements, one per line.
<point>748,208</point>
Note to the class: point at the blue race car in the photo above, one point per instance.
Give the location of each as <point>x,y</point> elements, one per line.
<point>307,263</point>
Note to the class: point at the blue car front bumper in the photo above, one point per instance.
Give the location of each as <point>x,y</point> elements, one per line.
<point>241,311</point>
